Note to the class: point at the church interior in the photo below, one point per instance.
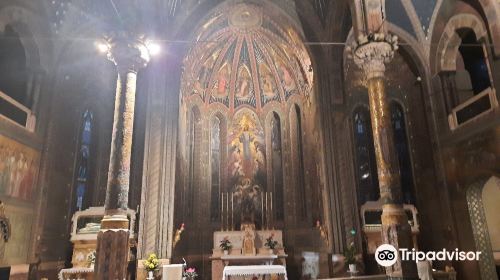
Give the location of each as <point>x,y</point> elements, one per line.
<point>234,139</point>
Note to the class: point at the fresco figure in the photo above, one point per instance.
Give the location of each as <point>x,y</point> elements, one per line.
<point>18,169</point>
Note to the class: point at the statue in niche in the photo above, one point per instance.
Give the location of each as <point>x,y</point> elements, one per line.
<point>248,243</point>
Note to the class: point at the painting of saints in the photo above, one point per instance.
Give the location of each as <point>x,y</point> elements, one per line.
<point>268,84</point>
<point>18,169</point>
<point>244,82</point>
<point>287,79</point>
<point>221,87</point>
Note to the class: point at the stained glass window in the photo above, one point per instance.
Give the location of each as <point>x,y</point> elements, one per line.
<point>366,166</point>
<point>82,176</point>
<point>277,165</point>
<point>401,142</point>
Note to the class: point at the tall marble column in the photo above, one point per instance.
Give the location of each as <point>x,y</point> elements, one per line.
<point>129,55</point>
<point>371,55</point>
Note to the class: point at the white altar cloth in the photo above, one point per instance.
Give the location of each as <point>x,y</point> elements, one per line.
<point>250,270</point>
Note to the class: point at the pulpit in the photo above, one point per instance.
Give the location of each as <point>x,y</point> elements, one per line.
<point>371,213</point>
<point>86,225</point>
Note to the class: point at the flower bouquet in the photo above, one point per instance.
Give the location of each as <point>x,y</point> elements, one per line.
<point>190,273</point>
<point>225,245</point>
<point>271,243</point>
<point>151,264</point>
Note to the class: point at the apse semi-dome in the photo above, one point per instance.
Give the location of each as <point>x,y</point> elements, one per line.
<point>242,57</point>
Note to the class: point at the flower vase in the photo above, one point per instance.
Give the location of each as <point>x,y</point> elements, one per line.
<point>271,251</point>
<point>150,275</point>
<point>92,266</point>
<point>226,252</point>
<point>352,267</point>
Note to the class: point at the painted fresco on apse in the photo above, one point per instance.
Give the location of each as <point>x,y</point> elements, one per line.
<point>243,58</point>
<point>18,169</point>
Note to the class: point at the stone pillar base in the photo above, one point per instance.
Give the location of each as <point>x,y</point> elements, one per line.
<point>399,235</point>
<point>112,254</point>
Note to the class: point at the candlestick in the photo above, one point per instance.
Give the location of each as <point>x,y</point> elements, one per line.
<point>227,210</point>
<point>262,211</point>
<point>222,211</point>
<point>271,213</point>
<point>267,211</point>
<point>232,211</point>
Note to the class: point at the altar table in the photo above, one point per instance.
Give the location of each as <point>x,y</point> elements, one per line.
<point>263,259</point>
<point>253,270</point>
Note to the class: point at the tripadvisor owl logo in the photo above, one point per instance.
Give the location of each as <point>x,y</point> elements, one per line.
<point>386,255</point>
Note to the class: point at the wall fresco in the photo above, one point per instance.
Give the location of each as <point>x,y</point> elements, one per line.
<point>18,169</point>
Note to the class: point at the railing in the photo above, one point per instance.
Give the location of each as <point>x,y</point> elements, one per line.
<point>473,108</point>
<point>15,112</point>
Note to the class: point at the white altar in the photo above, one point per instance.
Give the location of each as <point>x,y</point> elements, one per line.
<point>257,255</point>
<point>260,271</point>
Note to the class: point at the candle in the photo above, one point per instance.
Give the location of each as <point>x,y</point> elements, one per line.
<point>267,210</point>
<point>232,211</point>
<point>227,210</point>
<point>262,210</point>
<point>271,213</point>
<point>222,211</point>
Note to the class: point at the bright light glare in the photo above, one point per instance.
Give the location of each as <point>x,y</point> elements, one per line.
<point>153,48</point>
<point>102,47</point>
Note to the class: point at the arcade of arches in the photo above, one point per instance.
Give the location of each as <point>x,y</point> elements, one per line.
<point>330,127</point>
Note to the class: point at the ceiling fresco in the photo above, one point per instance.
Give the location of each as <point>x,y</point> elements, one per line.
<point>243,58</point>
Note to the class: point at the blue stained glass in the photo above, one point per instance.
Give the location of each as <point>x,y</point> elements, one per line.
<point>83,158</point>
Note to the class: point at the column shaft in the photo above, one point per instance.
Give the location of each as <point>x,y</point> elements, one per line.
<point>113,239</point>
<point>395,228</point>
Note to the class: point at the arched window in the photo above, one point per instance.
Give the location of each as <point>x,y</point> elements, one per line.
<point>277,165</point>
<point>366,166</point>
<point>215,165</point>
<point>297,150</point>
<point>82,176</point>
<point>401,143</point>
<point>14,96</point>
<point>472,67</point>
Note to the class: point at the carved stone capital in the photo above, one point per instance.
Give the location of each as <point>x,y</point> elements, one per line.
<point>371,54</point>
<point>128,53</point>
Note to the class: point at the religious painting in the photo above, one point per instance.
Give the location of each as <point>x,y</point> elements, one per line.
<point>221,85</point>
<point>287,80</point>
<point>267,83</point>
<point>18,169</point>
<point>247,149</point>
<point>244,84</point>
<point>203,77</point>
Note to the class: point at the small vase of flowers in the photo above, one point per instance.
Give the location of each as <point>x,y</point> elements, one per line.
<point>151,265</point>
<point>350,257</point>
<point>225,245</point>
<point>271,243</point>
<point>91,259</point>
<point>190,273</point>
